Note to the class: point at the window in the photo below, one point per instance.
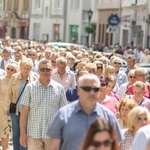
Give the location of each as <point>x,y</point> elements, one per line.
<point>58,4</point>
<point>75,4</point>
<point>37,4</point>
<point>46,11</point>
<point>25,5</point>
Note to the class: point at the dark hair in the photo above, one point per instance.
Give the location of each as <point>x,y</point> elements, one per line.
<point>100,125</point>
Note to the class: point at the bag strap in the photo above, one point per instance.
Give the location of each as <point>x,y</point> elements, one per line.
<point>22,91</point>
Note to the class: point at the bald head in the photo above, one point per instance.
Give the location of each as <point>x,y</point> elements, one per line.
<point>88,77</point>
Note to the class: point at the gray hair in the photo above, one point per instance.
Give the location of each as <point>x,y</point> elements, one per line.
<point>61,60</point>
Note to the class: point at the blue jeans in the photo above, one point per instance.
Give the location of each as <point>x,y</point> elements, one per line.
<point>16,132</point>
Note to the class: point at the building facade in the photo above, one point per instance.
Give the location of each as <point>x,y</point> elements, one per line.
<point>14,20</point>
<point>103,36</point>
<point>135,21</point>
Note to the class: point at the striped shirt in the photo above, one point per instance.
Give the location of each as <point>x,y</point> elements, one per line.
<point>43,103</point>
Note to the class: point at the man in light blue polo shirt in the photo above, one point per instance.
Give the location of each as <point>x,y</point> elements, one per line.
<point>72,121</point>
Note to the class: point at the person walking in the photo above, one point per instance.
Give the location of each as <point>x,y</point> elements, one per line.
<point>41,100</point>
<point>72,121</point>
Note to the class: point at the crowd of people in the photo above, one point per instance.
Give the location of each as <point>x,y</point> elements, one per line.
<point>55,98</point>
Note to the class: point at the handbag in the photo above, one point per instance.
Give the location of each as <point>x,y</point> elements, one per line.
<point>13,106</point>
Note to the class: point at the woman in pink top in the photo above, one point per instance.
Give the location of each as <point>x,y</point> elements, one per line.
<point>106,100</point>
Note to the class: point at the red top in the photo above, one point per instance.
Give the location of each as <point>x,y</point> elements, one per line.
<point>146,94</point>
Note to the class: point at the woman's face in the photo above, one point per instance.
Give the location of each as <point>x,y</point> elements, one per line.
<point>25,70</point>
<point>110,87</point>
<point>142,120</point>
<point>138,92</point>
<point>102,141</point>
<point>99,69</point>
<point>124,112</point>
<point>103,89</point>
<point>10,71</point>
<point>131,78</point>
<point>111,72</point>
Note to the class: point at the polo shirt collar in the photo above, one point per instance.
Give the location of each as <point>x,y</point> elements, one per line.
<point>51,83</point>
<point>96,110</point>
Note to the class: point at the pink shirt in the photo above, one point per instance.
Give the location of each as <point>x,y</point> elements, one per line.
<point>110,103</point>
<point>67,81</point>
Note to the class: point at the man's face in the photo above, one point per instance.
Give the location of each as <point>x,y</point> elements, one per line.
<point>6,56</point>
<point>88,97</point>
<point>53,60</point>
<point>116,64</point>
<point>61,68</point>
<point>130,63</point>
<point>45,71</point>
<point>32,55</point>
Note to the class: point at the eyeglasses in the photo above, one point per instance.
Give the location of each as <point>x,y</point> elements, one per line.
<point>10,69</point>
<point>99,67</point>
<point>117,63</point>
<point>89,89</point>
<point>131,77</point>
<point>45,69</point>
<point>31,54</point>
<point>106,143</point>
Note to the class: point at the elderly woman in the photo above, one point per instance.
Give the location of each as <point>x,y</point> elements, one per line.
<point>123,88</point>
<point>137,118</point>
<point>5,123</point>
<point>91,68</point>
<point>141,75</point>
<point>15,89</point>
<point>138,95</point>
<point>124,108</point>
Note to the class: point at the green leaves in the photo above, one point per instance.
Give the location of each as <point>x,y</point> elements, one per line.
<point>89,29</point>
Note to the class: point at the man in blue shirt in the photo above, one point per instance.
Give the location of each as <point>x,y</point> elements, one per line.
<point>70,124</point>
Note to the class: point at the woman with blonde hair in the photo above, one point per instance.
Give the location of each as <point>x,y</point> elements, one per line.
<point>124,108</point>
<point>91,68</point>
<point>100,134</point>
<point>16,87</point>
<point>137,118</point>
<point>100,68</point>
<point>109,70</point>
<point>5,121</point>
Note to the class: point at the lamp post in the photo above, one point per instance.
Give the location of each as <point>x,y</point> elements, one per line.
<point>90,13</point>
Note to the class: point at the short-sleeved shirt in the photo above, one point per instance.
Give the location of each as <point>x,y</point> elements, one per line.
<point>43,103</point>
<point>67,81</point>
<point>71,123</point>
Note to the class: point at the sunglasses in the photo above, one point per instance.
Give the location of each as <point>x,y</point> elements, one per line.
<point>45,69</point>
<point>103,84</point>
<point>106,143</point>
<point>99,67</point>
<point>117,63</point>
<point>131,77</point>
<point>89,89</point>
<point>10,69</point>
<point>31,54</point>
